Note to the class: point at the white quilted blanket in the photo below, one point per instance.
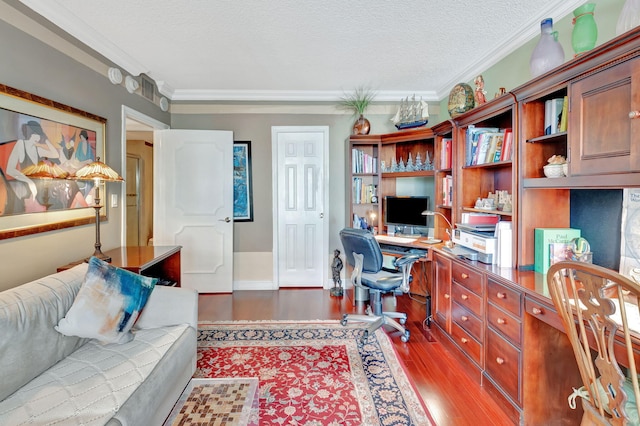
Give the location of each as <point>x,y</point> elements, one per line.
<point>90,385</point>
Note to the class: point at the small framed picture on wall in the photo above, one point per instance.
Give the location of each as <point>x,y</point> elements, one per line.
<point>242,184</point>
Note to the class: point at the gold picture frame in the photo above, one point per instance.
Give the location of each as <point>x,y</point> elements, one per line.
<point>64,136</point>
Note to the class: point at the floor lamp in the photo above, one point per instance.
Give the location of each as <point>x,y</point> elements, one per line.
<point>98,172</point>
<point>45,170</point>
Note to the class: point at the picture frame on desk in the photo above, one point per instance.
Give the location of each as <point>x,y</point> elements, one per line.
<point>34,130</point>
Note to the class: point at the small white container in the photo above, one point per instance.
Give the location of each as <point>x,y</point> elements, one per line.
<point>553,170</point>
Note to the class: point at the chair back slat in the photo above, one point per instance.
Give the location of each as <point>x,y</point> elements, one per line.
<point>595,305</point>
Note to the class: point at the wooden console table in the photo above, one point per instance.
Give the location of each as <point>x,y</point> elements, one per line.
<point>152,261</point>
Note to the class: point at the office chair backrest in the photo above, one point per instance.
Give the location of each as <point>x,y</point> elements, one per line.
<point>363,242</point>
<point>599,305</point>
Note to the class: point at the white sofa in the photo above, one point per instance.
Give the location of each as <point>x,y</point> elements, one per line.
<point>49,378</point>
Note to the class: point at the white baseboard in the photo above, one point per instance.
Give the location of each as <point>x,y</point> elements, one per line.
<point>254,285</point>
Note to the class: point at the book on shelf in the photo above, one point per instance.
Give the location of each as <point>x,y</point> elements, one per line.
<point>362,162</point>
<point>447,190</point>
<point>504,250</point>
<point>552,115</point>
<point>564,117</point>
<point>476,139</point>
<point>477,218</point>
<point>494,140</point>
<point>445,153</point>
<point>505,154</point>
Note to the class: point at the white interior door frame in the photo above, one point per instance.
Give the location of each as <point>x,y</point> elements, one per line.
<point>325,197</point>
<point>130,113</point>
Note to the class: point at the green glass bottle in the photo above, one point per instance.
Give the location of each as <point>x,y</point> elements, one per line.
<point>585,30</point>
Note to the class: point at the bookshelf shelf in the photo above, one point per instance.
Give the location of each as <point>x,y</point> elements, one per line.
<point>499,212</point>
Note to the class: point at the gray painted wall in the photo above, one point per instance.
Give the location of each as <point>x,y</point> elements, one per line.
<point>33,66</point>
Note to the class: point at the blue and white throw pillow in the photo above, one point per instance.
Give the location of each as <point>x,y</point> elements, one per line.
<point>108,304</point>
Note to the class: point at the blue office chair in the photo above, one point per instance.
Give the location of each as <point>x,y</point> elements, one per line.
<point>363,253</point>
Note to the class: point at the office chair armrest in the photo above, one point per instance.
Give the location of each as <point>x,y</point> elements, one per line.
<point>405,263</point>
<point>401,261</point>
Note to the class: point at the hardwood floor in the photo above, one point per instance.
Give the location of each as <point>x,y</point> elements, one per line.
<point>450,395</point>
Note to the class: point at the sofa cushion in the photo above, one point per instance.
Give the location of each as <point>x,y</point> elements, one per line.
<point>108,303</point>
<point>28,314</point>
<point>89,386</point>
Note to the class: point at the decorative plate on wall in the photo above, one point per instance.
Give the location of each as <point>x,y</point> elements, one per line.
<point>460,99</point>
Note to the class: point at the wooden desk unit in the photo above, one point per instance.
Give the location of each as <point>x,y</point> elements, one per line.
<point>152,261</point>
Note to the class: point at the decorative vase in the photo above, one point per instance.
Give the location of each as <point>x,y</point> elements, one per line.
<point>585,30</point>
<point>361,126</point>
<point>629,16</point>
<point>548,53</point>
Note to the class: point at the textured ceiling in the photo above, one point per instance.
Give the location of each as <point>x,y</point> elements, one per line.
<point>301,50</point>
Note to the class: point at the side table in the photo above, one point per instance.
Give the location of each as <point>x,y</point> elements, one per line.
<point>162,262</point>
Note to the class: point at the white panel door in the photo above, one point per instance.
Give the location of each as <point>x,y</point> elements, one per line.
<point>300,243</point>
<point>193,204</point>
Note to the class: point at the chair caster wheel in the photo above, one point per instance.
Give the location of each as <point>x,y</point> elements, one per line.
<point>344,320</point>
<point>405,337</point>
<point>364,338</point>
<point>402,321</point>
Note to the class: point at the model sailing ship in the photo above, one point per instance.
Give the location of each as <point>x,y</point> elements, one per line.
<point>411,113</point>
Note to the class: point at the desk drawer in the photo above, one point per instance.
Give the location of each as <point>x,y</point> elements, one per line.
<point>467,320</point>
<point>504,297</point>
<point>467,277</point>
<point>506,324</point>
<point>467,343</point>
<point>466,298</point>
<point>544,312</point>
<point>503,364</point>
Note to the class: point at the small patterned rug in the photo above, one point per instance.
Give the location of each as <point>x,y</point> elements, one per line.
<point>313,373</point>
<point>217,402</point>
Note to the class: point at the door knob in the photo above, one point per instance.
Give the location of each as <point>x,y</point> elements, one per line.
<point>321,215</point>
<point>226,219</point>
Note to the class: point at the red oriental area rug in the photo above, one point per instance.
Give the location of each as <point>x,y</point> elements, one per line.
<point>313,373</point>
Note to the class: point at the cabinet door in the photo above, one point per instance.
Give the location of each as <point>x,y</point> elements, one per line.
<point>442,299</point>
<point>601,130</point>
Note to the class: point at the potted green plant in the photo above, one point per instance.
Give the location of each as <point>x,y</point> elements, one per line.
<point>358,102</point>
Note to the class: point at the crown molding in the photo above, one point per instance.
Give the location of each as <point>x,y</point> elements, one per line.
<point>67,21</point>
<point>289,95</point>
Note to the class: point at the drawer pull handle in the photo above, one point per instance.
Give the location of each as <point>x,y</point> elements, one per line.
<point>446,296</point>
<point>634,114</point>
<point>464,276</point>
<point>501,295</point>
<point>536,311</point>
<point>500,360</point>
<point>464,340</point>
<point>464,318</point>
<point>464,297</point>
<point>502,321</point>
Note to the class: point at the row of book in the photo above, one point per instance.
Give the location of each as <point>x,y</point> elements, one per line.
<point>555,115</point>
<point>488,145</point>
<point>445,153</point>
<point>447,190</point>
<point>362,193</point>
<point>361,162</point>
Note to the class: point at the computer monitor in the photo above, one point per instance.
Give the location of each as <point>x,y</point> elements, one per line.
<point>405,211</point>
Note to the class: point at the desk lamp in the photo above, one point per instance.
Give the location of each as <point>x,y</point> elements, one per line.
<point>449,231</point>
<point>47,171</point>
<point>98,172</point>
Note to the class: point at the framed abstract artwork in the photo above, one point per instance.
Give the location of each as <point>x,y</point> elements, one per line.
<point>35,131</point>
<point>242,185</point>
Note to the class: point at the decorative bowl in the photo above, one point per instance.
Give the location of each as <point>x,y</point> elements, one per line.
<point>553,170</point>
